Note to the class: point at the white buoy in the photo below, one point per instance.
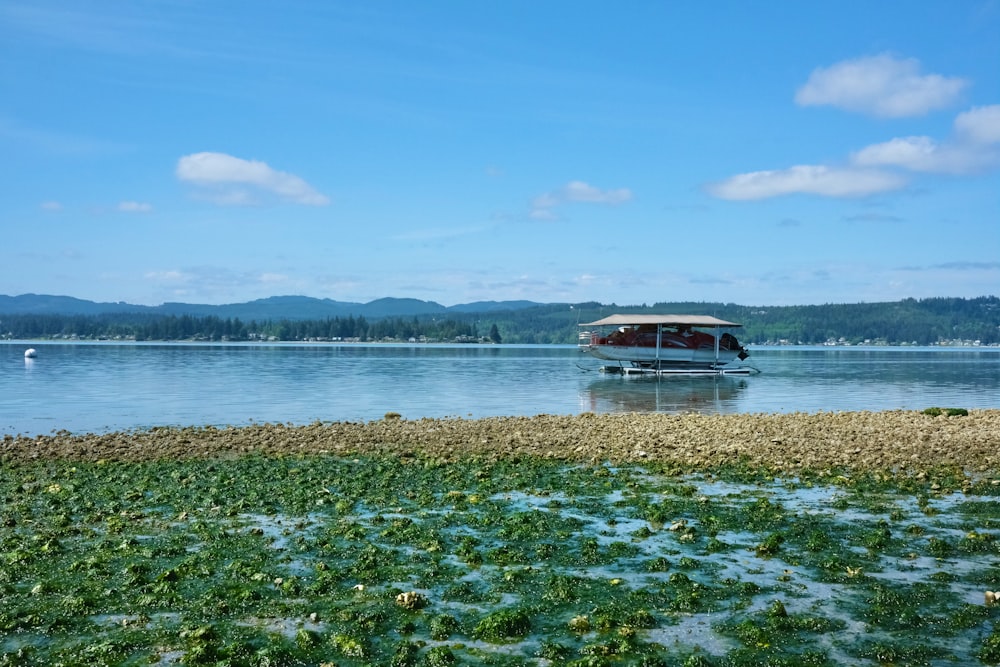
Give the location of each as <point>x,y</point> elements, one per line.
<point>30,353</point>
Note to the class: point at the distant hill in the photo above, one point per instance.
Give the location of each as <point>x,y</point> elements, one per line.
<point>44,304</point>
<point>390,307</point>
<point>492,306</point>
<point>973,322</point>
<point>271,308</point>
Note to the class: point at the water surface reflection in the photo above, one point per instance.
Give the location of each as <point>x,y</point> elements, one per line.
<point>674,393</point>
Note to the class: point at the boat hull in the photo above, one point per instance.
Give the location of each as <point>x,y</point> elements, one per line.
<point>664,356</point>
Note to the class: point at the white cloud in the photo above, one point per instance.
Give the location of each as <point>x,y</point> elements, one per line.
<point>915,153</point>
<point>923,154</point>
<point>580,191</point>
<point>886,86</point>
<point>971,149</point>
<point>134,207</point>
<point>881,85</point>
<point>979,125</point>
<point>542,213</point>
<point>225,179</point>
<point>806,179</point>
<point>169,276</point>
<point>215,284</point>
<point>974,148</point>
<point>273,278</point>
<point>51,206</point>
<point>575,191</point>
<point>545,201</point>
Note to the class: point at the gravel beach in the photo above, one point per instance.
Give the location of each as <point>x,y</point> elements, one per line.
<point>898,441</point>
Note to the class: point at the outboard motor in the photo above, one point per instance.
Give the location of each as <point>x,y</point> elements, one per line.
<point>728,342</point>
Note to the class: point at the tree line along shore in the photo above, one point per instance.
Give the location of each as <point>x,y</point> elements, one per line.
<point>935,321</point>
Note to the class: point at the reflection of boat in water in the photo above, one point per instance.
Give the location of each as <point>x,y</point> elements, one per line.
<point>674,394</point>
<point>666,344</point>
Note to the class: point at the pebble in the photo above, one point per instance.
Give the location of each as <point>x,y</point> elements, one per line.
<point>898,440</point>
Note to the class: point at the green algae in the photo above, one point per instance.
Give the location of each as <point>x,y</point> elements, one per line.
<point>950,412</point>
<point>301,560</point>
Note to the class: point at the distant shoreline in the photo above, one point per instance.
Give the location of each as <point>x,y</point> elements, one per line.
<point>951,345</point>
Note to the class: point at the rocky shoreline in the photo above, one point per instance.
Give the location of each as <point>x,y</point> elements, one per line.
<point>898,441</point>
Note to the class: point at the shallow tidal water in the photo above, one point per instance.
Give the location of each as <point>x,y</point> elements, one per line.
<point>403,561</point>
<point>98,387</point>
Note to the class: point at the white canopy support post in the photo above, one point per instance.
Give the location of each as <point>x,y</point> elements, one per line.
<point>659,331</point>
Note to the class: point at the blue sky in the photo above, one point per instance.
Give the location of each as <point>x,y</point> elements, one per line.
<point>761,153</point>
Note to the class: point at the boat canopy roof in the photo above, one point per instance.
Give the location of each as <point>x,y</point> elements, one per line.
<point>690,320</point>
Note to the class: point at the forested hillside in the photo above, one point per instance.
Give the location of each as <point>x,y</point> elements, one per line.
<point>911,321</point>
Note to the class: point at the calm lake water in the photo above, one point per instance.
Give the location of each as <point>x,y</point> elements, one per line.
<point>96,387</point>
